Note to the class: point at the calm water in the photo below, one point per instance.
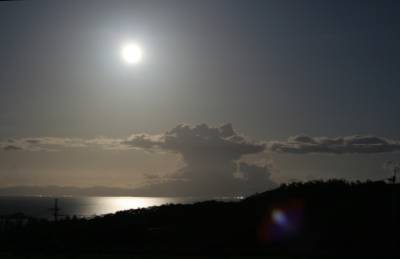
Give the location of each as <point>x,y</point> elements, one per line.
<point>83,206</point>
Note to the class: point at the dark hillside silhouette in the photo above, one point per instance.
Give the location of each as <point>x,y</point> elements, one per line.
<point>332,218</point>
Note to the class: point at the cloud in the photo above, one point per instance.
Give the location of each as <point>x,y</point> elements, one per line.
<point>220,143</point>
<point>11,148</point>
<point>198,138</point>
<point>57,144</point>
<point>357,144</point>
<point>211,155</point>
<point>256,176</point>
<point>202,147</point>
<point>144,141</point>
<point>215,158</point>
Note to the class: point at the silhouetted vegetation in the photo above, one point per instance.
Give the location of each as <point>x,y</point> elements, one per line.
<point>332,218</point>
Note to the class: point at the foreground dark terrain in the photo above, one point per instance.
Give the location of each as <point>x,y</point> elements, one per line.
<point>321,219</point>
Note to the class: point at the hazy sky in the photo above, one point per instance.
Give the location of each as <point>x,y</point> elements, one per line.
<point>284,73</point>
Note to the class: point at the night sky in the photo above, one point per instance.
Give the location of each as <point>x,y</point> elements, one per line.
<point>233,95</point>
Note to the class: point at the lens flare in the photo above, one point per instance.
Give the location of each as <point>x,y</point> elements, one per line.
<point>282,221</point>
<point>279,217</point>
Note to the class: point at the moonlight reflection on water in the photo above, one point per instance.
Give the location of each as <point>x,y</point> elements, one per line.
<point>104,205</point>
<point>40,206</point>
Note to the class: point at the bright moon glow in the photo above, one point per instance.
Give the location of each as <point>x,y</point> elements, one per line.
<point>132,53</point>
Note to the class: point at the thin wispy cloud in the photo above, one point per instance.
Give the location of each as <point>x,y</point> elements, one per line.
<point>357,144</point>
<point>50,144</point>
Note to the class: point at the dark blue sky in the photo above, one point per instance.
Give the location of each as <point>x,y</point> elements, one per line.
<point>272,68</point>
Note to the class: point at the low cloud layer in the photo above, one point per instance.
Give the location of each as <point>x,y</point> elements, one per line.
<point>213,156</point>
<point>357,144</point>
<point>208,140</point>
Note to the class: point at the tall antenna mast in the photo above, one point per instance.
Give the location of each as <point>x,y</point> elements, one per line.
<point>393,179</point>
<point>55,210</point>
<point>396,170</point>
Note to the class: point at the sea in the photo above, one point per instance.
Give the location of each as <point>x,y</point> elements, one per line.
<point>42,206</point>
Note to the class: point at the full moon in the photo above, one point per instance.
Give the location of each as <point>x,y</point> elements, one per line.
<point>132,53</point>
